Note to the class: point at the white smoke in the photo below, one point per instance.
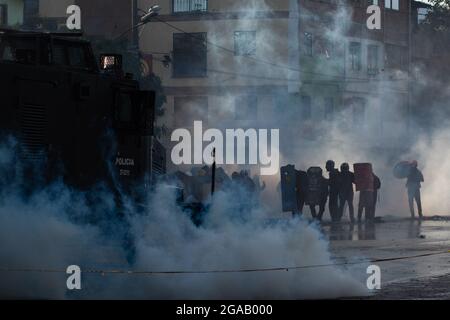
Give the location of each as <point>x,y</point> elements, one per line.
<point>39,232</point>
<point>431,151</point>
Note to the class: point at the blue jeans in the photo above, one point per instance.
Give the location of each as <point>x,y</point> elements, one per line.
<point>414,194</point>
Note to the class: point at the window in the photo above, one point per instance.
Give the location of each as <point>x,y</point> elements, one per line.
<point>246,107</point>
<point>3,15</point>
<point>190,109</point>
<point>245,43</point>
<point>391,4</point>
<point>189,55</point>
<point>306,107</point>
<point>77,57</point>
<point>329,108</point>
<point>422,14</point>
<point>70,54</point>
<point>355,56</point>
<point>372,59</point>
<point>324,47</point>
<point>359,112</point>
<point>308,44</point>
<point>19,49</point>
<point>190,5</point>
<point>396,57</point>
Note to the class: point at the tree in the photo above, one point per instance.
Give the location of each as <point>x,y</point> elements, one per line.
<point>439,17</point>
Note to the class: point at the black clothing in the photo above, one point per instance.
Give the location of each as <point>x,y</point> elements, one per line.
<point>366,204</point>
<point>322,201</point>
<point>414,194</point>
<point>347,179</point>
<point>413,184</point>
<point>334,181</point>
<point>333,203</point>
<point>348,198</point>
<point>415,177</point>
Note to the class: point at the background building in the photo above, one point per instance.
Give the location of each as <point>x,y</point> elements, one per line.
<point>300,63</point>
<point>311,67</point>
<point>11,13</point>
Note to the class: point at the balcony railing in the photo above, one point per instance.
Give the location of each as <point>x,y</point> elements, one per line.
<point>180,6</point>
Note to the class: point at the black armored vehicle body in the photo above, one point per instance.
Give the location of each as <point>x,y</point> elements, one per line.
<point>75,119</point>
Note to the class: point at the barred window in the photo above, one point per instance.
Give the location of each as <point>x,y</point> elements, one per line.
<point>189,5</point>
<point>189,55</point>
<point>355,56</point>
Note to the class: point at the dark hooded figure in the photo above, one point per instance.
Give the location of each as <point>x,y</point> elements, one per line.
<point>333,182</point>
<point>302,190</point>
<point>347,179</point>
<point>317,192</point>
<point>413,184</point>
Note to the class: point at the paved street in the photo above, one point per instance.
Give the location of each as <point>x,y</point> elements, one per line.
<point>410,278</point>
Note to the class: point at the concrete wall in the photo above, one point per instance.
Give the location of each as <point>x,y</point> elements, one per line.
<point>54,8</point>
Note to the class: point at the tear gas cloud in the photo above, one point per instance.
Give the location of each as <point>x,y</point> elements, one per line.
<point>42,231</point>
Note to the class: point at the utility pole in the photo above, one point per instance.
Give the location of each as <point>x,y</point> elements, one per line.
<point>134,21</point>
<point>152,12</point>
<point>213,173</point>
<point>409,108</point>
<point>294,46</point>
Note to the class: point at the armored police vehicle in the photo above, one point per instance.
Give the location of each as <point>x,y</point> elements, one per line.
<point>75,118</point>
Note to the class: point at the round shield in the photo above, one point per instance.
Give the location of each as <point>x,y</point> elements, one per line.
<point>402,169</point>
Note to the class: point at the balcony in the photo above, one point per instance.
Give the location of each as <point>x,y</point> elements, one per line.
<point>187,6</point>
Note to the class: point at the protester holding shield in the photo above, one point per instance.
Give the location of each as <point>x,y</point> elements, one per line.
<point>408,170</point>
<point>317,192</point>
<point>346,191</point>
<point>364,180</point>
<point>333,183</point>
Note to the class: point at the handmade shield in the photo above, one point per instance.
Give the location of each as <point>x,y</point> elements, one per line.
<point>314,186</point>
<point>364,179</point>
<point>402,169</point>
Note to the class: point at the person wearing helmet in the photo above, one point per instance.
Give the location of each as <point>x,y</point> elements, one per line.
<point>413,184</point>
<point>317,192</point>
<point>333,184</point>
<point>347,179</point>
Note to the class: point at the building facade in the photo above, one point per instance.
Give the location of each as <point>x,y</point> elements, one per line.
<point>229,63</point>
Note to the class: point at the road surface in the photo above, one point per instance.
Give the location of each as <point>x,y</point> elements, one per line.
<point>410,278</point>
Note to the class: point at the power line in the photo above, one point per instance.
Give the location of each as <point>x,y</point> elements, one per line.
<point>227,49</point>
<point>130,272</point>
<point>260,77</point>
